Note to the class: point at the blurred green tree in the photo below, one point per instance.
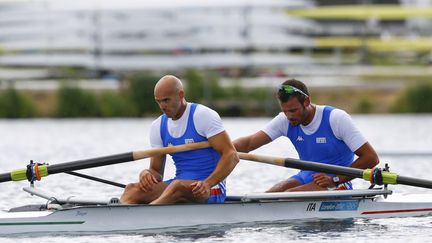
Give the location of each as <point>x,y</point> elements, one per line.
<point>415,99</point>
<point>140,92</point>
<point>117,105</point>
<point>194,85</point>
<point>15,105</point>
<point>75,102</point>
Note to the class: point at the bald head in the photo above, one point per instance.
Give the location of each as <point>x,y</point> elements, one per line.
<point>169,94</point>
<point>168,83</point>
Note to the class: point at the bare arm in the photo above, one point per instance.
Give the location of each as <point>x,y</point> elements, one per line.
<point>367,158</point>
<point>157,166</point>
<point>154,174</point>
<point>251,142</point>
<point>228,160</point>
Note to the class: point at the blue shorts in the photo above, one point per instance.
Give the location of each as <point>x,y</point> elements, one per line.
<point>217,192</point>
<point>305,177</point>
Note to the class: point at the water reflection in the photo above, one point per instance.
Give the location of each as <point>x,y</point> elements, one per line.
<point>329,226</point>
<point>195,233</point>
<point>293,229</point>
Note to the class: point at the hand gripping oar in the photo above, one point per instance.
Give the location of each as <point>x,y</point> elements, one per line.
<point>35,171</point>
<point>374,176</point>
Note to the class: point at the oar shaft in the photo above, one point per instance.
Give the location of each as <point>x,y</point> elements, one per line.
<point>384,177</point>
<point>90,163</point>
<point>92,178</point>
<point>326,168</point>
<point>45,170</point>
<point>20,174</point>
<point>5,177</point>
<point>414,182</point>
<point>303,165</point>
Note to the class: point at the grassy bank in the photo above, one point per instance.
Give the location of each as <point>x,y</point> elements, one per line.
<point>135,99</point>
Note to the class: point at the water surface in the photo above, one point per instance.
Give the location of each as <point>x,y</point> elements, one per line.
<point>57,141</point>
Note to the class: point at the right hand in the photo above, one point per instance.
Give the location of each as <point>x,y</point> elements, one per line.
<point>323,180</point>
<point>147,180</point>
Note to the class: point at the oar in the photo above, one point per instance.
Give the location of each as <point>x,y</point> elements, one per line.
<point>375,176</point>
<point>92,178</point>
<point>41,170</point>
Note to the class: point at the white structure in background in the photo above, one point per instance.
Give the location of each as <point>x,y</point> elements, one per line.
<point>418,26</point>
<point>139,35</point>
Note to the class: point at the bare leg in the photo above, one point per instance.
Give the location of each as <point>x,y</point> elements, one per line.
<point>284,185</point>
<point>134,195</point>
<point>178,191</point>
<point>307,187</point>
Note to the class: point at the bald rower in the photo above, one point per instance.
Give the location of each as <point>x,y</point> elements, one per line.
<point>200,174</point>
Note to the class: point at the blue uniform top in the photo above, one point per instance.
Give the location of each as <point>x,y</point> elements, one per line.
<point>321,146</point>
<point>190,165</point>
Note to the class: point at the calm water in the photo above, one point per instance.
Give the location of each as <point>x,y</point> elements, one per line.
<point>56,141</point>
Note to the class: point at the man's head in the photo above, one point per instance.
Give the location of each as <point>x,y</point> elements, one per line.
<point>169,94</point>
<point>294,101</point>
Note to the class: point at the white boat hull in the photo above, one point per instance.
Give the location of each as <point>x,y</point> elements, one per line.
<point>117,218</point>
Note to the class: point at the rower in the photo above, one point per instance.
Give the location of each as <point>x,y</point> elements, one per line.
<point>319,133</point>
<point>200,174</point>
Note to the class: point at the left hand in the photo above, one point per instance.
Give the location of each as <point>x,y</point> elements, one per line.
<point>200,190</point>
<point>323,180</point>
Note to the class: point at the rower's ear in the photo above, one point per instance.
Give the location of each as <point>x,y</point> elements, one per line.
<point>181,94</point>
<point>306,101</point>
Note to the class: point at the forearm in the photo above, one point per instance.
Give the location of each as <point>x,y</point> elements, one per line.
<point>157,167</point>
<point>225,166</point>
<point>251,142</point>
<point>242,144</point>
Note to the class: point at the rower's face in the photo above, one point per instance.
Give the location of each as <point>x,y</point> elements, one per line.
<point>169,101</point>
<point>295,111</point>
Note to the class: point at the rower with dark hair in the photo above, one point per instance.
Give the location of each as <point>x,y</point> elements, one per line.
<point>319,133</point>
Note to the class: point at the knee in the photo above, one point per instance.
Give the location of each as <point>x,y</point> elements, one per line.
<point>129,193</point>
<point>176,186</point>
<point>130,187</point>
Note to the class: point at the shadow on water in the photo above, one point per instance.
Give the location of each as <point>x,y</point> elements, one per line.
<point>311,229</point>
<point>301,227</point>
<point>321,229</point>
<point>317,226</point>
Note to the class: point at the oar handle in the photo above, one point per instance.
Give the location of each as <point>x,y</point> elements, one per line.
<point>142,154</point>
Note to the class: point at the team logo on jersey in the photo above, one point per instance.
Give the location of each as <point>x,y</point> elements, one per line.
<point>300,138</point>
<point>189,140</point>
<point>321,140</point>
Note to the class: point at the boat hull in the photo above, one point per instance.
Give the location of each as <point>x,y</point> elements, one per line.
<point>117,218</point>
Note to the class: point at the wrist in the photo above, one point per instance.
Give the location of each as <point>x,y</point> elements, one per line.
<point>208,183</point>
<point>336,180</point>
<point>151,172</point>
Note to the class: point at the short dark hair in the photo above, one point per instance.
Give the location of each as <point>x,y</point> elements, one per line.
<point>284,96</point>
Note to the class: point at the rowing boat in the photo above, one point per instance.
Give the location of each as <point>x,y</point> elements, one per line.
<point>84,215</point>
<point>81,216</point>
